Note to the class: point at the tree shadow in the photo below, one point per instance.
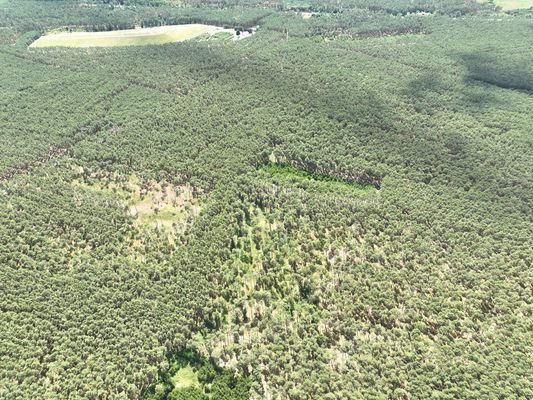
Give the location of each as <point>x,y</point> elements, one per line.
<point>506,71</point>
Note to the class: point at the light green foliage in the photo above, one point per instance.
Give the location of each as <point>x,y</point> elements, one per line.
<point>295,174</point>
<point>184,378</point>
<point>217,36</point>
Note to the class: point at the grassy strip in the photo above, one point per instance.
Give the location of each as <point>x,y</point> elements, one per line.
<point>129,37</point>
<point>291,172</point>
<point>512,4</point>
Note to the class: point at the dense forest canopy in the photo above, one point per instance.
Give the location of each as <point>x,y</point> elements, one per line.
<point>337,207</point>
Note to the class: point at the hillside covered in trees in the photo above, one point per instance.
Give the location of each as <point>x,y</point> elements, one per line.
<point>338,206</point>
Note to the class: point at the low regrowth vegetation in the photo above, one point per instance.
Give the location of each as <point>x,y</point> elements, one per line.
<point>192,377</point>
<point>153,205</point>
<point>293,174</point>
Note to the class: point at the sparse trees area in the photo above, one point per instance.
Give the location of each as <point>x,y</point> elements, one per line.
<point>387,254</point>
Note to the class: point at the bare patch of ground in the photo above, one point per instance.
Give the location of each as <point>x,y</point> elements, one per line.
<point>168,208</point>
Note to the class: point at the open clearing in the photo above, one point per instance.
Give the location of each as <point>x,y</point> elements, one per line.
<point>128,37</point>
<point>185,377</point>
<point>513,4</point>
<point>155,205</point>
<point>295,175</point>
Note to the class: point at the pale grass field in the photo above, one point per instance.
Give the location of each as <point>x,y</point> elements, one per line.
<point>512,4</point>
<point>128,37</point>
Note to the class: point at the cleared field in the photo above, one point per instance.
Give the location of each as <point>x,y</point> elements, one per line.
<point>513,4</point>
<point>128,37</point>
